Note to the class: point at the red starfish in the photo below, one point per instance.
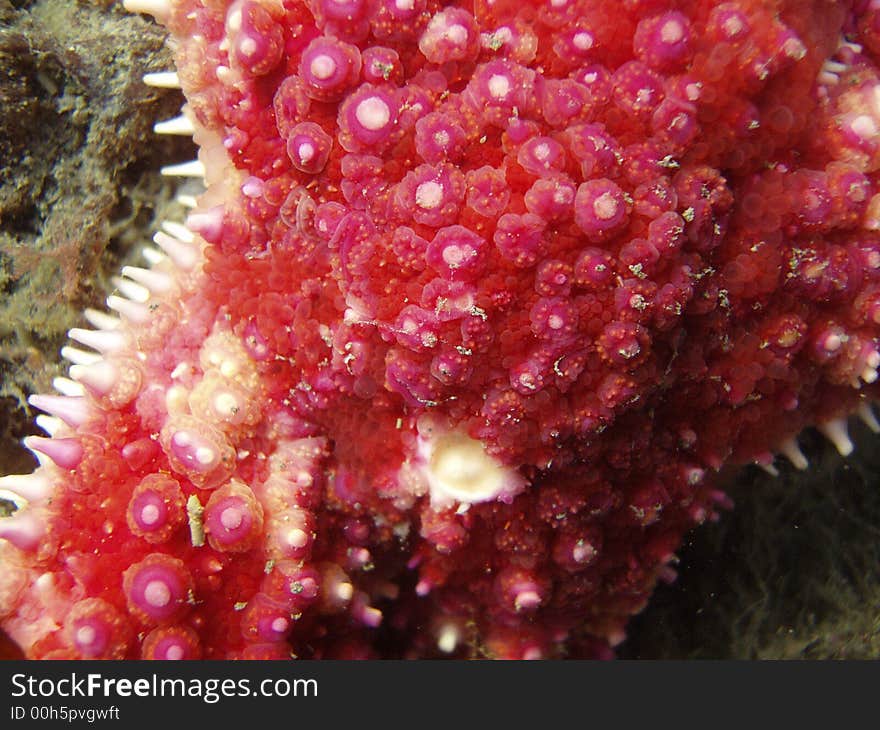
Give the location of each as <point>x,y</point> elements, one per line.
<point>476,299</point>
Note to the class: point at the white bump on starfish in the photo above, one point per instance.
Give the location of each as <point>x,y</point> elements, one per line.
<point>183,254</point>
<point>22,529</point>
<point>826,78</point>
<point>526,600</point>
<point>179,231</point>
<point>156,282</point>
<point>764,461</point>
<point>872,362</point>
<point>73,410</point>
<point>792,451</point>
<point>101,320</point>
<point>830,72</point>
<point>134,312</point>
<point>66,386</point>
<point>866,414</point>
<point>187,201</point>
<point>194,168</point>
<point>100,377</point>
<point>65,453</point>
<point>32,487</point>
<point>49,424</point>
<point>768,468</point>
<point>359,558</point>
<point>365,614</point>
<point>178,125</point>
<point>448,638</point>
<point>153,256</point>
<point>79,357</point>
<point>163,80</point>
<point>457,468</point>
<point>343,592</point>
<point>131,289</point>
<point>159,9</point>
<point>836,432</point>
<point>101,340</point>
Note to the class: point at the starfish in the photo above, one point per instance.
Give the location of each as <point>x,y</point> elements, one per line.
<point>476,302</point>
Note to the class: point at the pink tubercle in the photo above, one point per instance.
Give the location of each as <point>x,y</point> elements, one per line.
<point>171,643</point>
<point>233,518</point>
<point>553,318</point>
<point>382,65</point>
<point>266,621</point>
<point>457,253</point>
<point>368,119</point>
<point>291,104</point>
<point>600,209</point>
<point>451,35</point>
<point>662,41</point>
<point>432,194</point>
<point>225,402</point>
<point>329,67</point>
<point>498,88</point>
<point>551,198</point>
<point>256,38</point>
<point>520,238</point>
<point>156,508</point>
<point>520,591</point>
<point>554,278</point>
<point>197,450</point>
<point>96,630</point>
<point>308,147</point>
<point>542,156</point>
<point>208,223</point>
<point>157,588</point>
<point>439,136</point>
<point>290,533</point>
<point>292,584</point>
<point>364,613</point>
<point>574,550</point>
<point>416,328</point>
<point>638,90</point>
<point>487,191</point>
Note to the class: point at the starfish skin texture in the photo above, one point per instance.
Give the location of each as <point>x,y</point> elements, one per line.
<point>478,299</point>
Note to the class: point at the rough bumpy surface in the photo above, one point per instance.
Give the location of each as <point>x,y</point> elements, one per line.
<point>74,195</point>
<point>793,572</point>
<point>478,298</point>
